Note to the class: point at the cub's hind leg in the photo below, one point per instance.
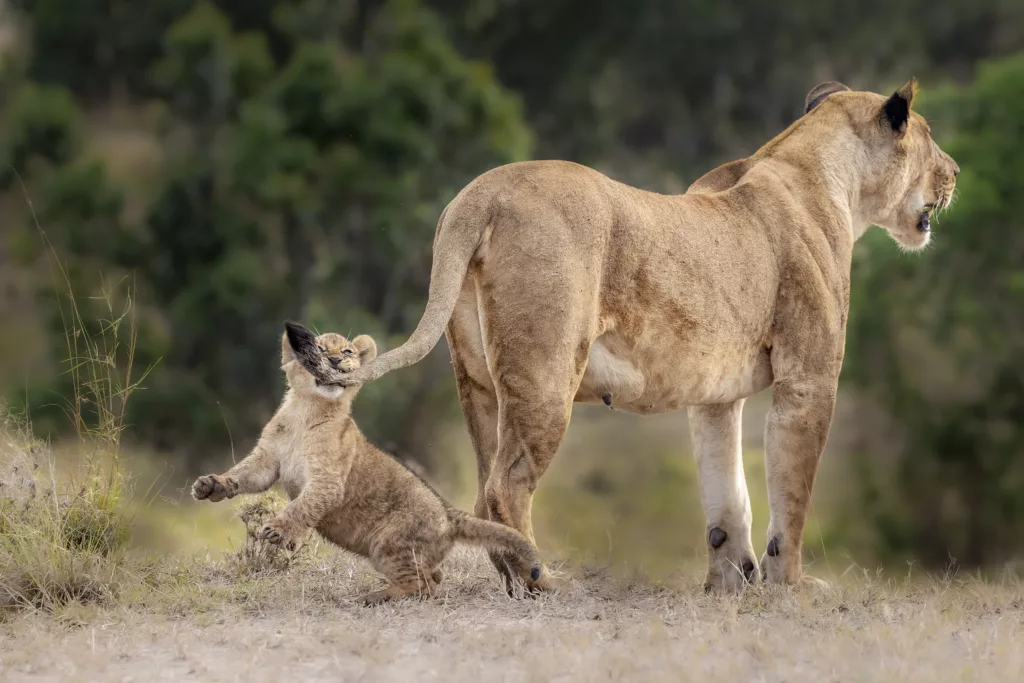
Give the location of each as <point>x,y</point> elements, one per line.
<point>411,569</point>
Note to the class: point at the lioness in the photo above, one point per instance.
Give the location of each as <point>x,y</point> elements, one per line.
<point>352,493</point>
<point>556,284</point>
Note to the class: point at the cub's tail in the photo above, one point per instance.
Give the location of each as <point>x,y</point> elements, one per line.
<point>496,538</point>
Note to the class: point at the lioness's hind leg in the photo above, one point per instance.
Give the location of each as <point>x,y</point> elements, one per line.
<point>716,431</point>
<point>540,312</point>
<point>478,399</point>
<point>535,402</point>
<point>531,428</point>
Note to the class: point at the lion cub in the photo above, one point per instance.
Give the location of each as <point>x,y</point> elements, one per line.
<point>352,493</point>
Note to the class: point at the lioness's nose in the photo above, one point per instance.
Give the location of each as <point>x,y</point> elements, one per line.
<point>956,170</point>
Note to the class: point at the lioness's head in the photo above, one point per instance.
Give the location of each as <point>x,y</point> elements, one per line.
<point>904,177</point>
<point>329,351</point>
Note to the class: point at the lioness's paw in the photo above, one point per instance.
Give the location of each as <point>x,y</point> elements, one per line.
<point>732,565</point>
<point>214,487</point>
<point>781,563</point>
<point>541,581</point>
<point>279,533</point>
<point>813,582</point>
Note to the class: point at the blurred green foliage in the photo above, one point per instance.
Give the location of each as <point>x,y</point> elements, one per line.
<point>297,153</point>
<point>300,185</point>
<point>682,85</point>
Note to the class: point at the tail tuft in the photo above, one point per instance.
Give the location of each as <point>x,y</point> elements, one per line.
<point>498,538</point>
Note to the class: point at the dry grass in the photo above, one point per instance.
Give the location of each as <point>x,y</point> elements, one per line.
<point>58,545</point>
<point>65,542</point>
<point>306,624</point>
<point>257,557</point>
<point>258,614</point>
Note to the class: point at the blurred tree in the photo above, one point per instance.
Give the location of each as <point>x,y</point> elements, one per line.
<point>658,85</point>
<point>38,124</point>
<point>938,341</point>
<point>42,133</point>
<point>97,47</point>
<point>309,188</point>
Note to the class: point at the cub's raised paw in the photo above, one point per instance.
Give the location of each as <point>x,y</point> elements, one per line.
<point>280,534</point>
<point>214,487</point>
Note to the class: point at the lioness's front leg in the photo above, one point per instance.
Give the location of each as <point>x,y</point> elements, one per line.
<point>795,436</point>
<point>255,474</point>
<point>716,431</point>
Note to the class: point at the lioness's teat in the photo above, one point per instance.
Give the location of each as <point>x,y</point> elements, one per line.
<point>352,493</point>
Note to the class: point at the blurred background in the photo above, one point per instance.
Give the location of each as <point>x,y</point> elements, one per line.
<point>229,164</point>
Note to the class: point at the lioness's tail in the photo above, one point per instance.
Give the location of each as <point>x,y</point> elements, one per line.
<point>496,538</point>
<point>459,234</point>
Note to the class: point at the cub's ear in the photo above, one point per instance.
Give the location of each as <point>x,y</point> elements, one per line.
<point>367,348</point>
<point>820,92</point>
<point>896,110</point>
<point>297,343</point>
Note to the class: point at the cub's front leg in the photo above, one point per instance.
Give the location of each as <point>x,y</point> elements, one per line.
<point>214,487</point>
<point>282,532</point>
<point>325,490</point>
<point>255,474</point>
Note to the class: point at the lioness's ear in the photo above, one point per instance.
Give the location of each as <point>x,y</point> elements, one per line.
<point>896,110</point>
<point>366,346</point>
<point>297,342</point>
<point>287,355</point>
<point>820,92</point>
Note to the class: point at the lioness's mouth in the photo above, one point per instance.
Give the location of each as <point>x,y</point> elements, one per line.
<point>924,221</point>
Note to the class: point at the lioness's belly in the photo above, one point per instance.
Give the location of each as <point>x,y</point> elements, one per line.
<point>656,380</point>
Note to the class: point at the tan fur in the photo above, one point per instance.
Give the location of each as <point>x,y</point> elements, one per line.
<point>557,284</point>
<point>352,493</point>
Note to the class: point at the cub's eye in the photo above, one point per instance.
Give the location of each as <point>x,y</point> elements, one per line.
<point>348,352</point>
<point>321,349</point>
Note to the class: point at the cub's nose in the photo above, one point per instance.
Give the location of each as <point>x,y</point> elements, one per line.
<point>335,360</point>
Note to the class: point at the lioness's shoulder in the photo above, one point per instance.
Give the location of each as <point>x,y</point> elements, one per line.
<point>721,178</point>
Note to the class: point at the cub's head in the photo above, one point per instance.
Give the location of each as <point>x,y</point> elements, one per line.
<point>903,176</point>
<point>327,352</point>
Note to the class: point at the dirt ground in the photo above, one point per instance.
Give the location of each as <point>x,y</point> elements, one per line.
<point>307,625</point>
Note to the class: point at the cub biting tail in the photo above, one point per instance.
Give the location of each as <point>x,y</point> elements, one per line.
<point>351,492</point>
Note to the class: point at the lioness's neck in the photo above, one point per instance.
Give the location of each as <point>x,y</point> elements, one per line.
<point>825,161</point>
